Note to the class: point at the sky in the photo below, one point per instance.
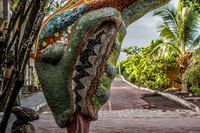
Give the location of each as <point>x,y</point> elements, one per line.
<point>141,32</point>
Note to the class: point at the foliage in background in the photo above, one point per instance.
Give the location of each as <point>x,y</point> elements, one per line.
<point>53,5</point>
<point>50,7</point>
<point>196,4</point>
<point>192,76</point>
<point>139,70</point>
<point>179,29</point>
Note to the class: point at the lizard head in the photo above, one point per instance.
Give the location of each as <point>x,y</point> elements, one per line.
<point>76,52</point>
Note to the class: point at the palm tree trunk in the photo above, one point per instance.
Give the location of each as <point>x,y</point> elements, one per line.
<point>184,86</point>
<point>183,48</point>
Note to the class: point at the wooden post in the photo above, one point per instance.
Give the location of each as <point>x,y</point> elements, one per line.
<point>1,20</point>
<point>6,10</point>
<point>1,11</point>
<point>4,17</point>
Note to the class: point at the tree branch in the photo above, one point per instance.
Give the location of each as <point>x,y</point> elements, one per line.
<point>4,49</point>
<point>35,18</point>
<point>27,34</point>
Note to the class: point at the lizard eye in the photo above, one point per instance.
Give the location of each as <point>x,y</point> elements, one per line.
<point>51,61</point>
<point>53,54</point>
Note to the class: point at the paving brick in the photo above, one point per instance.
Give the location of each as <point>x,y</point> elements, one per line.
<point>128,116</point>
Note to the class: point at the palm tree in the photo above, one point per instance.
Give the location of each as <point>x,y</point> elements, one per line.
<point>179,29</point>
<point>195,2</point>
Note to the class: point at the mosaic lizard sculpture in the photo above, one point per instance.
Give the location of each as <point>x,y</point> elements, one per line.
<point>76,52</point>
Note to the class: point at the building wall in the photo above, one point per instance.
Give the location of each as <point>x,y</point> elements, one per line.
<point>171,73</point>
<point>29,72</point>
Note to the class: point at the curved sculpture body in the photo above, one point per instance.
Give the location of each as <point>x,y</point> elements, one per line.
<point>76,52</point>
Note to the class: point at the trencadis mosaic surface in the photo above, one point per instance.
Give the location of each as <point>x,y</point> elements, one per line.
<point>76,53</point>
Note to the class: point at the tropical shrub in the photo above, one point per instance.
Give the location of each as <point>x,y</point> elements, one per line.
<point>125,75</point>
<point>195,90</point>
<point>151,73</point>
<point>192,76</point>
<point>150,84</point>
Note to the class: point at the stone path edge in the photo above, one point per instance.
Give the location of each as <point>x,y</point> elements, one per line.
<point>37,101</point>
<point>39,106</point>
<point>169,96</point>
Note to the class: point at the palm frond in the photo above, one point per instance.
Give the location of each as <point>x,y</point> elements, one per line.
<point>188,25</point>
<point>168,14</point>
<point>195,43</point>
<point>168,34</point>
<point>163,50</point>
<point>178,79</point>
<point>196,52</point>
<point>179,7</point>
<point>179,30</point>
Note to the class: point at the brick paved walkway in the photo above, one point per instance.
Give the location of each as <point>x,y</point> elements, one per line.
<point>124,113</point>
<point>145,113</point>
<point>123,96</point>
<point>146,125</point>
<point>124,99</point>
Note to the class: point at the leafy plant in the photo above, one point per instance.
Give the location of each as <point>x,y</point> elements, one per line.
<point>53,5</point>
<point>150,84</point>
<point>196,3</point>
<point>195,90</point>
<point>21,97</point>
<point>178,79</point>
<point>139,70</point>
<point>172,89</point>
<point>125,75</point>
<point>117,75</point>
<point>192,76</point>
